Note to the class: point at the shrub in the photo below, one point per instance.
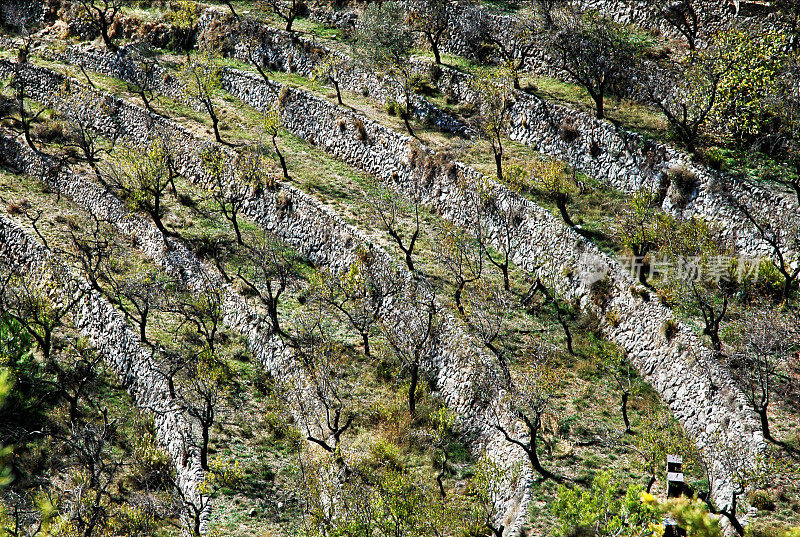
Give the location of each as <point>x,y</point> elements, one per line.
<point>594,149</point>
<point>361,132</point>
<point>384,454</point>
<point>283,96</point>
<point>762,500</point>
<point>601,292</point>
<point>342,123</point>
<point>684,182</point>
<point>18,208</point>
<point>283,202</point>
<point>568,131</point>
<point>613,318</point>
<point>391,107</point>
<point>669,329</point>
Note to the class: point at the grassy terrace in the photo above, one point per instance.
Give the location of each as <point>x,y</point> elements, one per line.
<point>257,433</point>
<point>258,438</point>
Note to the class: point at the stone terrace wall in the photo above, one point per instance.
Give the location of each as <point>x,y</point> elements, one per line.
<point>325,239</point>
<point>679,368</point>
<point>621,159</point>
<point>282,51</point>
<point>699,391</point>
<point>627,161</point>
<point>180,263</point>
<point>117,343</point>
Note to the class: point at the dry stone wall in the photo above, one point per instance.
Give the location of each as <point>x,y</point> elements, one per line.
<point>621,159</point>
<point>282,51</point>
<point>325,239</point>
<point>628,161</point>
<point>96,319</point>
<point>699,391</point>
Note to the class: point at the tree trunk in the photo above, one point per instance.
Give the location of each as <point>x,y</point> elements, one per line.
<point>562,208</point>
<point>338,91</point>
<point>565,326</point>
<point>407,124</point>
<point>498,161</point>
<point>436,56</point>
<point>215,124</point>
<point>412,390</point>
<point>534,458</point>
<point>365,340</point>
<point>235,222</point>
<point>762,415</point>
<point>440,477</point>
<point>599,106</point>
<point>280,158</point>
<point>204,447</point>
<point>409,259</point>
<point>625,419</point>
<point>457,297</point>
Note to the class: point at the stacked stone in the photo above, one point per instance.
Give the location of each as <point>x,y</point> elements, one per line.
<point>113,339</point>
<point>322,237</point>
<point>704,398</point>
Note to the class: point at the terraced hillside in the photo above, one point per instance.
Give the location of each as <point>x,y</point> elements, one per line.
<point>272,268</point>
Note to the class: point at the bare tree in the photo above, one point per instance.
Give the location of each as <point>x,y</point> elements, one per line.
<point>781,231</point>
<point>89,489</point>
<point>359,293</point>
<point>462,257</point>
<point>206,388</point>
<point>494,99</point>
<point>232,181</point>
<point>202,80</point>
<point>286,10</point>
<point>432,19</point>
<point>141,176</point>
<point>21,119</point>
<point>414,334</point>
<point>615,363</point>
<point>330,71</point>
<point>683,16</point>
<point>515,41</point>
<point>30,301</point>
<point>318,394</point>
<point>390,209</point>
<point>384,42</point>
<point>765,340</point>
<point>487,313</point>
<point>101,15</point>
<point>273,265</point>
<point>530,396</point>
<point>594,51</point>
<point>685,91</point>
